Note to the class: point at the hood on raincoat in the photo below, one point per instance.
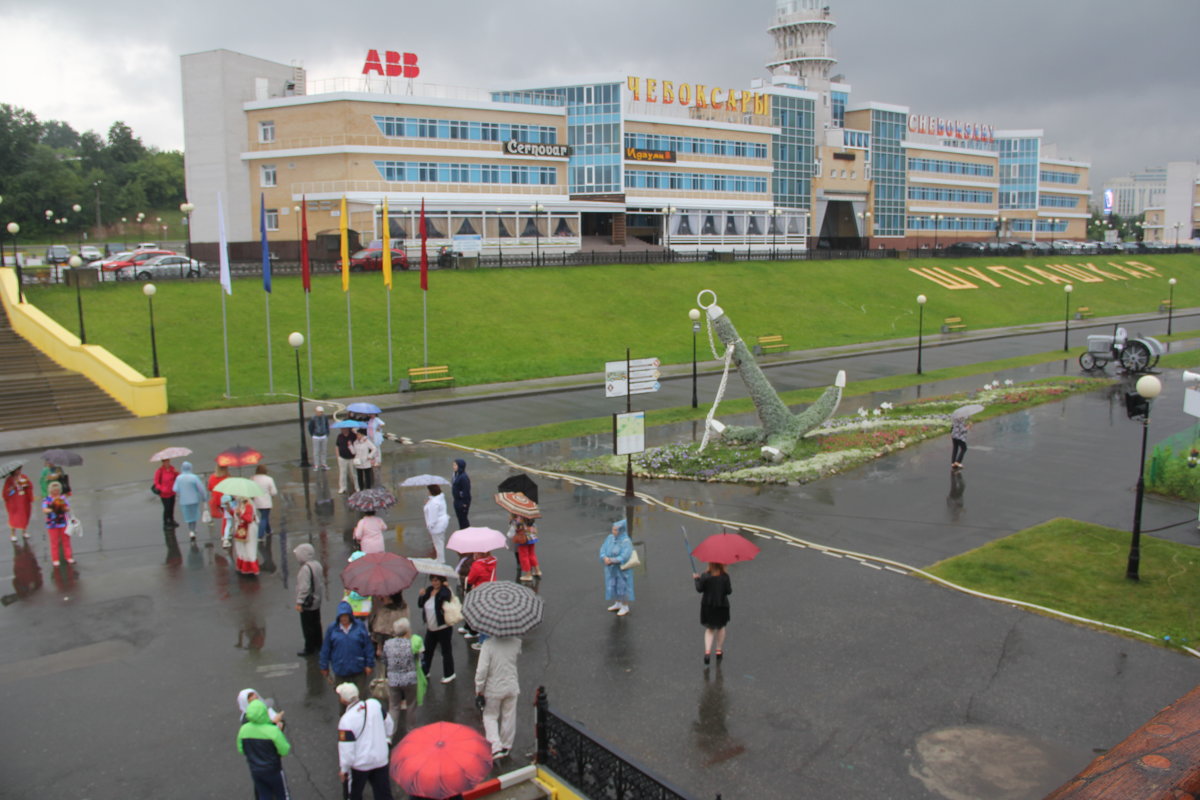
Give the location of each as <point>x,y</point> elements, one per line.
<point>620,527</point>
<point>462,466</point>
<point>257,713</point>
<point>344,608</point>
<point>185,467</point>
<point>244,699</point>
<point>304,553</point>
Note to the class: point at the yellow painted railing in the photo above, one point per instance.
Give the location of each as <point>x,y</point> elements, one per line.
<point>144,397</point>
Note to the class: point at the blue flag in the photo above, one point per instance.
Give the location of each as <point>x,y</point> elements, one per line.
<point>266,252</point>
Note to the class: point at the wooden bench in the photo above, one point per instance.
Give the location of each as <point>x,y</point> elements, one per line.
<point>953,325</point>
<point>1083,312</point>
<point>1165,305</point>
<point>769,343</point>
<point>419,375</point>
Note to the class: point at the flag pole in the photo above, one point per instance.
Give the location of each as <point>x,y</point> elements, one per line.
<point>270,369</point>
<point>391,372</point>
<point>425,322</point>
<point>350,338</point>
<point>308,339</point>
<point>225,341</point>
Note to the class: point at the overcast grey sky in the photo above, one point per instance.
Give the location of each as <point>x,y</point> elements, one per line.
<point>1110,81</point>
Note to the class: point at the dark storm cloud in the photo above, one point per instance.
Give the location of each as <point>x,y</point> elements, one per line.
<point>1108,80</point>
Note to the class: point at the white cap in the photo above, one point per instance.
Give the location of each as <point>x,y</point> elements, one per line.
<point>348,692</point>
<point>321,409</point>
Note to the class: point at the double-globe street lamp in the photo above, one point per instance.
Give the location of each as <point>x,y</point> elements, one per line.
<point>921,300</point>
<point>1067,314</point>
<point>1147,388</point>
<point>150,290</point>
<point>76,262</point>
<point>296,340</point>
<point>667,212</point>
<point>694,316</point>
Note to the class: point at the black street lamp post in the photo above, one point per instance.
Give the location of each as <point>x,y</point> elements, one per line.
<point>150,290</point>
<point>1067,315</point>
<point>14,229</point>
<point>921,299</point>
<point>1170,305</point>
<point>694,315</point>
<point>296,340</point>
<point>187,209</point>
<point>1148,387</point>
<point>76,262</point>
<point>537,209</point>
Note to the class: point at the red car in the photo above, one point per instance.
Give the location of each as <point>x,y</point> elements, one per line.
<point>130,259</point>
<point>372,259</point>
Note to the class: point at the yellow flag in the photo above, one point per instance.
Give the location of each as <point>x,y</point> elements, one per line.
<point>344,228</point>
<point>387,247</point>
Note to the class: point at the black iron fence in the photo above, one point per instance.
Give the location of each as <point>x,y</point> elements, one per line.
<point>591,766</point>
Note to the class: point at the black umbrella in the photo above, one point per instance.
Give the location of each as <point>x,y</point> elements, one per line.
<point>62,458</point>
<point>520,483</point>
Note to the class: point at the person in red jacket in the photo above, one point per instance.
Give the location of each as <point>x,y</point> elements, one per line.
<point>216,509</point>
<point>18,502</point>
<point>164,487</point>
<point>483,570</point>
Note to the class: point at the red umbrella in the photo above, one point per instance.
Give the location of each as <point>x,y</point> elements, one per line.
<point>726,548</point>
<point>379,574</point>
<point>440,760</point>
<point>238,457</point>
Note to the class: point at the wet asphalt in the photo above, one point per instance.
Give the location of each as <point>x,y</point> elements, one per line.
<point>119,678</point>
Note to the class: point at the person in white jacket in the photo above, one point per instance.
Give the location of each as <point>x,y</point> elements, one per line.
<point>496,683</point>
<point>264,502</point>
<point>366,454</point>
<point>437,519</point>
<point>363,735</point>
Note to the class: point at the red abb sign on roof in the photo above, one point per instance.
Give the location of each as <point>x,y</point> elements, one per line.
<point>394,65</point>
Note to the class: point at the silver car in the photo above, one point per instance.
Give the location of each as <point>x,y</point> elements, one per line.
<point>173,266</point>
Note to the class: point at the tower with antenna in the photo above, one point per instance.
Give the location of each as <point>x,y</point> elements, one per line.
<point>801,31</point>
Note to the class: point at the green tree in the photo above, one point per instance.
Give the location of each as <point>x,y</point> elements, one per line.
<point>59,135</point>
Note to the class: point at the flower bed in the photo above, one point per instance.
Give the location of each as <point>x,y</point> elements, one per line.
<point>839,444</point>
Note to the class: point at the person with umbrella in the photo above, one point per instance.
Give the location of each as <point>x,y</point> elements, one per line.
<point>460,491</point>
<point>369,532</point>
<point>244,523</point>
<point>190,493</point>
<point>58,513</point>
<point>497,687</point>
<point>438,633</point>
<point>960,423</point>
<point>347,650</point>
<point>216,504</point>
<point>52,473</point>
<point>440,761</point>
<point>344,444</point>
<point>437,520</point>
<point>715,586</point>
<point>164,487</point>
<point>615,552</point>
<point>366,458</point>
<point>18,501</point>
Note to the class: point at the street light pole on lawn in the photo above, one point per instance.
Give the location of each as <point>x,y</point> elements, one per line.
<point>14,229</point>
<point>694,316</point>
<point>1149,388</point>
<point>921,299</point>
<point>187,209</point>
<point>1170,305</point>
<point>76,262</point>
<point>296,340</point>
<point>77,208</point>
<point>537,209</point>
<point>1,241</point>
<point>149,290</point>
<point>1067,314</point>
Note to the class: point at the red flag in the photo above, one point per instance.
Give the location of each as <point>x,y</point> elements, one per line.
<point>424,250</point>
<point>305,271</point>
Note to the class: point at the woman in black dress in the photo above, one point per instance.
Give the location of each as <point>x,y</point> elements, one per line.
<point>715,587</point>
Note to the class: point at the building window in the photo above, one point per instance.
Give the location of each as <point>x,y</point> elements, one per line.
<point>266,175</point>
<point>272,219</point>
<point>266,132</point>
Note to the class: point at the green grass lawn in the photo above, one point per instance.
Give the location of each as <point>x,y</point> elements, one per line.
<point>1079,568</point>
<point>497,325</point>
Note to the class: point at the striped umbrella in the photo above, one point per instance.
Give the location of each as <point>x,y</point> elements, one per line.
<point>376,498</point>
<point>503,608</point>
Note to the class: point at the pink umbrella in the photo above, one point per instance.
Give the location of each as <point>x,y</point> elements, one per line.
<point>171,452</point>
<point>476,540</point>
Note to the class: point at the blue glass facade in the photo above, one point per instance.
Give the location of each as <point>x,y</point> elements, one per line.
<point>792,151</point>
<point>837,107</point>
<point>419,128</point>
<point>438,172</point>
<point>1018,172</point>
<point>888,129</point>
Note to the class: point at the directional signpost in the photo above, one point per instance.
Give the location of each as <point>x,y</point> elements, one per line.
<point>625,379</point>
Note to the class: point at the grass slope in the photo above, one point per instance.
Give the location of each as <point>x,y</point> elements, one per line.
<point>1079,568</point>
<point>498,325</point>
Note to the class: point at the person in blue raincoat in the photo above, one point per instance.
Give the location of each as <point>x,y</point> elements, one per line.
<point>618,583</point>
<point>347,650</point>
<point>190,491</point>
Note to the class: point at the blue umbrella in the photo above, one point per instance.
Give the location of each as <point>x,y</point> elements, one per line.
<point>349,423</point>
<point>362,408</point>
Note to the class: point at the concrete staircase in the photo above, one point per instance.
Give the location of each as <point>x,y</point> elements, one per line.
<point>35,392</point>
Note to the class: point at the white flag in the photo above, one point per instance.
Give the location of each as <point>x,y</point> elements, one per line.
<point>226,283</point>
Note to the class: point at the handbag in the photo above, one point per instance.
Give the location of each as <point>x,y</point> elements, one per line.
<point>206,516</point>
<point>452,611</point>
<point>156,490</point>
<point>633,561</point>
<point>74,527</point>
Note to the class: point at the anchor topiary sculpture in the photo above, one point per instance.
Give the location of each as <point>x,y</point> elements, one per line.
<point>781,429</point>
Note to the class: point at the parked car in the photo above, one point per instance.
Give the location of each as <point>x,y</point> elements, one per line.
<point>164,266</point>
<point>372,259</point>
<point>967,247</point>
<point>115,262</point>
<point>90,253</point>
<point>57,254</point>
